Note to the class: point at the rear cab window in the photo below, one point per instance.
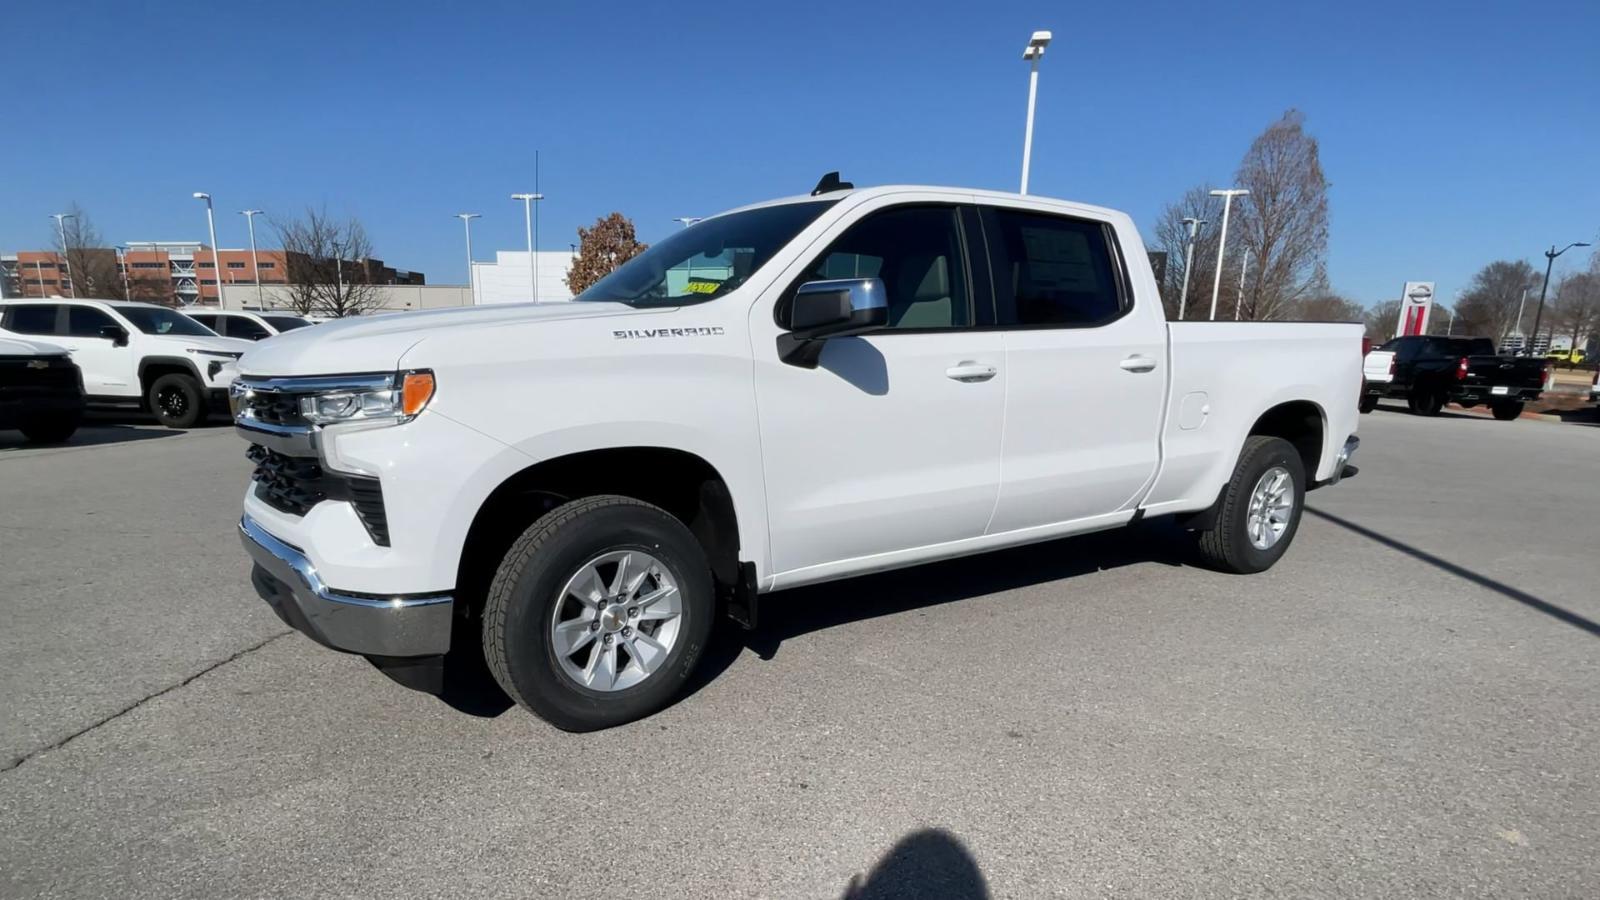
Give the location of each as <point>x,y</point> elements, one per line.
<point>1053,270</point>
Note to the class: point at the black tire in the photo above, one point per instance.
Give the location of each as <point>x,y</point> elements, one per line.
<point>50,428</point>
<point>1226,546</point>
<point>517,644</point>
<point>1506,410</point>
<point>1368,403</point>
<point>1425,402</point>
<point>177,401</point>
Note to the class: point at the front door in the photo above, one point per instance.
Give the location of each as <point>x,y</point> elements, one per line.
<point>892,443</point>
<point>108,369</point>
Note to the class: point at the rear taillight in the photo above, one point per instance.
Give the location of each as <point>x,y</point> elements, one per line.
<point>1366,346</point>
<point>1391,365</point>
<point>1461,369</point>
<point>1596,379</point>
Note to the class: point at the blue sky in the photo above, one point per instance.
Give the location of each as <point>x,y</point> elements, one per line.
<point>1452,134</point>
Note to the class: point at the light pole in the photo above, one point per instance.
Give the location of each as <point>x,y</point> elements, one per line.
<point>1243,268</point>
<point>1227,196</point>
<point>1188,264</point>
<point>250,218</point>
<point>686,221</point>
<point>466,219</point>
<point>1032,53</point>
<point>527,222</point>
<point>65,255</point>
<point>122,264</point>
<point>216,255</point>
<point>1550,261</point>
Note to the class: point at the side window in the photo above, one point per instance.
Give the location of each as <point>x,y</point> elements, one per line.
<point>916,251</point>
<point>34,318</point>
<point>1052,270</point>
<point>249,329</point>
<point>208,321</point>
<point>86,321</point>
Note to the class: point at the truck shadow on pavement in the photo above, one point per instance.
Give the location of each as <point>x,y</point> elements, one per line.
<point>928,863</point>
<point>92,434</point>
<point>1523,597</point>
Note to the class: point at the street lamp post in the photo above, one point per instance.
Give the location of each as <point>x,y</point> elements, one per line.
<point>65,255</point>
<point>1188,264</point>
<point>686,221</point>
<point>1550,261</point>
<point>1227,196</point>
<point>527,223</point>
<point>1032,53</point>
<point>466,219</point>
<point>216,255</point>
<point>250,218</point>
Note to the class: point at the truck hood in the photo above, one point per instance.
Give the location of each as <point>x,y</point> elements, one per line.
<point>19,347</point>
<point>180,343</point>
<point>376,343</point>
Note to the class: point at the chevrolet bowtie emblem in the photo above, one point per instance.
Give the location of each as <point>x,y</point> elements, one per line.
<point>38,363</point>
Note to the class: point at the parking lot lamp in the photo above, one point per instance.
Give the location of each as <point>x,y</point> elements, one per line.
<point>216,255</point>
<point>250,218</point>
<point>466,219</point>
<point>1032,53</point>
<point>527,223</point>
<point>1227,195</point>
<point>122,265</point>
<point>1188,263</point>
<point>65,255</point>
<point>1549,263</point>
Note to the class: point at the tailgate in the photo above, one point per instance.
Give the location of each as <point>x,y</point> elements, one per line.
<point>1506,371</point>
<point>1378,365</point>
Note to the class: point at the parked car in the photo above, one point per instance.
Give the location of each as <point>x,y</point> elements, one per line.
<point>41,390</point>
<point>1571,357</point>
<point>247,325</point>
<point>134,354</point>
<point>785,394</point>
<point>1430,370</point>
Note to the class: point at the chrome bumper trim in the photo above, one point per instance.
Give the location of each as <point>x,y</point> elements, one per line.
<point>403,625</point>
<point>1351,445</point>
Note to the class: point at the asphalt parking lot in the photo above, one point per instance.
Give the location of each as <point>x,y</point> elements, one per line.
<point>1409,704</point>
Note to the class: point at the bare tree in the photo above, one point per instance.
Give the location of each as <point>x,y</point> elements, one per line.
<point>602,247</point>
<point>1383,320</point>
<point>327,265</point>
<point>91,266</point>
<point>1326,306</point>
<point>1284,222</point>
<point>1576,310</point>
<point>1489,305</point>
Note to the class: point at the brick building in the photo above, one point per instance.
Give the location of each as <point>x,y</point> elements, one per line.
<point>172,271</point>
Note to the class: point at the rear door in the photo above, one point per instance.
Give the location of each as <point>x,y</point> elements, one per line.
<point>1086,369</point>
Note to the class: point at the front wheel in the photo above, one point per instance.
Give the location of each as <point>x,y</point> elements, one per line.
<point>598,613</point>
<point>1426,402</point>
<point>177,401</point>
<point>1260,510</point>
<point>1368,403</point>
<point>51,428</point>
<point>1507,410</point>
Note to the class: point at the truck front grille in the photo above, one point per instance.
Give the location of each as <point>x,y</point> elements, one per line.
<point>25,374</point>
<point>295,484</point>
<point>273,407</point>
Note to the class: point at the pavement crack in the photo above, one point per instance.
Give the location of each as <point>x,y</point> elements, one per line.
<point>18,761</point>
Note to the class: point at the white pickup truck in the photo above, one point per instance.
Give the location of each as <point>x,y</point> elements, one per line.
<point>788,393</point>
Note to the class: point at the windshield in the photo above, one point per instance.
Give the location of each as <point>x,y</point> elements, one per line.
<point>155,320</point>
<point>285,323</point>
<point>707,259</point>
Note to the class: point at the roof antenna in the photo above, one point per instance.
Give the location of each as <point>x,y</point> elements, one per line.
<point>830,183</point>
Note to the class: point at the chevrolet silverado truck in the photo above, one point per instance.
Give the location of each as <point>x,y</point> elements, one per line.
<point>41,391</point>
<point>784,394</point>
<point>1430,371</point>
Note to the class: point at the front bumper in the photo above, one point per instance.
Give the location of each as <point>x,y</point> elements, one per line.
<point>401,625</point>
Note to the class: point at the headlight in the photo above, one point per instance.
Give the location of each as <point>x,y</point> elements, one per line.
<point>399,402</point>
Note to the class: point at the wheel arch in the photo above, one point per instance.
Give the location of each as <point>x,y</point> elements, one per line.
<point>153,367</point>
<point>1303,423</point>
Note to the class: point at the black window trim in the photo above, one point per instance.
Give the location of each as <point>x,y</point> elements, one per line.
<point>955,207</point>
<point>1119,269</point>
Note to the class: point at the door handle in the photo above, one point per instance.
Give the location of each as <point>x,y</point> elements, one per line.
<point>1137,363</point>
<point>970,372</point>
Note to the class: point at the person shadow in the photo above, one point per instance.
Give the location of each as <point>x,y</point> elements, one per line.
<point>928,863</point>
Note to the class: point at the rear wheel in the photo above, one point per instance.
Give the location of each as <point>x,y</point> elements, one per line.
<point>51,428</point>
<point>1426,402</point>
<point>598,613</point>
<point>1506,410</point>
<point>1260,510</point>
<point>177,401</point>
<point>1368,403</point>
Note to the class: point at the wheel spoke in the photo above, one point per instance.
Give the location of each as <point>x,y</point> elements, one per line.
<point>659,604</point>
<point>620,579</point>
<point>645,650</point>
<point>573,635</point>
<point>601,673</point>
<point>587,586</point>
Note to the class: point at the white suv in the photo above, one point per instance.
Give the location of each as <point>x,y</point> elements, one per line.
<point>134,354</point>
<point>249,325</point>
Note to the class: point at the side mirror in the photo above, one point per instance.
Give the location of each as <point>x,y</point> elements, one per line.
<point>836,307</point>
<point>116,334</point>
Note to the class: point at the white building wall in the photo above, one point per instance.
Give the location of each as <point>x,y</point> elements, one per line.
<point>509,280</point>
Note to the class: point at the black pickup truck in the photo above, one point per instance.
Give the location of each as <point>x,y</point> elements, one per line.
<point>1430,371</point>
<point>41,391</point>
